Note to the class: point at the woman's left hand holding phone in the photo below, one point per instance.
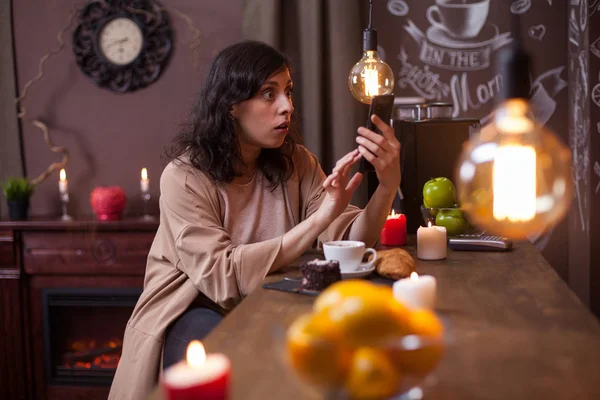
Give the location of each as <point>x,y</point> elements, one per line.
<point>383,151</point>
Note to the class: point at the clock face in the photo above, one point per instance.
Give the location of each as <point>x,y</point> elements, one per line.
<point>122,45</point>
<point>120,41</point>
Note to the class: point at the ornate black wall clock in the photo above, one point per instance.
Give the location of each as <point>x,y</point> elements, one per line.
<point>123,45</point>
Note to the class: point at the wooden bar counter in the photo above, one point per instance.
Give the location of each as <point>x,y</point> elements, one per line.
<point>516,331</point>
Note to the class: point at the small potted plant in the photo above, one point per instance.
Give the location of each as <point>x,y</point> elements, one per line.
<point>17,192</point>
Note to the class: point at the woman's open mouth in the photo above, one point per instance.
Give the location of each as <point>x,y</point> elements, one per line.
<point>283,128</point>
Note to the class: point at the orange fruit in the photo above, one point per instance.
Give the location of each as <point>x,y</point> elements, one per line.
<point>427,355</point>
<point>337,292</point>
<point>426,323</point>
<point>315,353</point>
<point>368,317</point>
<point>372,375</point>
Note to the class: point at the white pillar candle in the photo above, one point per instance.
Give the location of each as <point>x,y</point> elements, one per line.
<point>416,292</point>
<point>63,184</point>
<point>144,182</point>
<point>431,242</point>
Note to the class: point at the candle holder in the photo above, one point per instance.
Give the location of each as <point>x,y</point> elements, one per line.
<point>146,200</point>
<point>64,201</point>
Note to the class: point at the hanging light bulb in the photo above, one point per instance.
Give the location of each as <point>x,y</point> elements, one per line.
<point>371,76</point>
<point>514,178</point>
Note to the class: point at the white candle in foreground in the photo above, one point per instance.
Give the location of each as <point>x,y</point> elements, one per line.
<point>431,242</point>
<point>63,184</point>
<point>144,182</point>
<point>416,292</point>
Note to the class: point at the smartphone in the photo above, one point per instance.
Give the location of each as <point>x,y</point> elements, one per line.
<point>381,106</point>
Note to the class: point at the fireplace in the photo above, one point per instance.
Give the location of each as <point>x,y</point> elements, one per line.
<point>82,332</point>
<point>68,289</point>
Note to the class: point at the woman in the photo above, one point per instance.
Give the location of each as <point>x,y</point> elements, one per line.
<point>239,200</point>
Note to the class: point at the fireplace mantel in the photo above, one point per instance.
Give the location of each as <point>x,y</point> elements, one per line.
<point>44,254</point>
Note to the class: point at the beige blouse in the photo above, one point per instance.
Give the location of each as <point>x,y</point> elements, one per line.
<point>244,208</point>
<point>213,242</point>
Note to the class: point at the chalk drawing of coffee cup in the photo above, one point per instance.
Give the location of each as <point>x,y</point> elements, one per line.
<point>461,19</point>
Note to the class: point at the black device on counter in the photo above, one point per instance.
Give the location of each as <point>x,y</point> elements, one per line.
<point>381,106</point>
<point>481,242</point>
<point>431,143</point>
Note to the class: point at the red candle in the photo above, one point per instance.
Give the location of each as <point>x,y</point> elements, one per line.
<point>394,230</point>
<point>201,376</point>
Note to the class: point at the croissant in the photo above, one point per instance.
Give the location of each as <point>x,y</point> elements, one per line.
<point>394,263</point>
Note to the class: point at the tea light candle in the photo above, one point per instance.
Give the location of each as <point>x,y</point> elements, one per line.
<point>144,182</point>
<point>394,230</point>
<point>201,376</point>
<point>416,292</point>
<point>431,242</point>
<point>63,184</point>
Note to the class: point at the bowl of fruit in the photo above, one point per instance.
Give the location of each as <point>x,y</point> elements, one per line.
<point>440,207</point>
<point>359,342</point>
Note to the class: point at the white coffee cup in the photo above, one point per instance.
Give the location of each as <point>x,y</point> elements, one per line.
<point>349,253</point>
<point>461,19</point>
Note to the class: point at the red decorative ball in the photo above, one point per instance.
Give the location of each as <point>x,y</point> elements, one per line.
<point>108,202</point>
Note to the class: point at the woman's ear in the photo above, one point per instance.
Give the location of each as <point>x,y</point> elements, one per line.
<point>233,112</point>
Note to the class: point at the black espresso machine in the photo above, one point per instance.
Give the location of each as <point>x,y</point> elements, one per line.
<point>431,143</point>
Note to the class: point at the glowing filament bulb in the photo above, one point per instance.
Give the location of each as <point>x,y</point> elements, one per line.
<point>514,183</point>
<point>371,82</point>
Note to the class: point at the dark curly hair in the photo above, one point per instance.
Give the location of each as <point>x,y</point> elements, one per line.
<point>209,137</point>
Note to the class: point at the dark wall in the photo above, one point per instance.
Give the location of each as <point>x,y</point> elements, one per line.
<point>110,136</point>
<point>10,149</point>
<point>594,161</point>
<point>584,131</point>
<point>447,62</point>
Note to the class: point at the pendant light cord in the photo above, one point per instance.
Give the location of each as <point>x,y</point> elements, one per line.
<point>516,29</point>
<point>514,64</point>
<point>370,34</point>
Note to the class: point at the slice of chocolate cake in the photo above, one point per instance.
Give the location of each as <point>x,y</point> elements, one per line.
<point>318,274</point>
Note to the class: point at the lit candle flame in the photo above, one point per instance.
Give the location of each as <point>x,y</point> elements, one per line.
<point>393,214</point>
<point>429,224</point>
<point>196,355</point>
<point>414,276</point>
<point>144,174</point>
<point>63,175</point>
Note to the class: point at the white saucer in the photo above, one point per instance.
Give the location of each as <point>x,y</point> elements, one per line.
<point>361,273</point>
<point>489,33</point>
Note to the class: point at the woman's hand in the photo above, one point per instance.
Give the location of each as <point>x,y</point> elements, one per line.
<point>383,151</point>
<point>339,190</point>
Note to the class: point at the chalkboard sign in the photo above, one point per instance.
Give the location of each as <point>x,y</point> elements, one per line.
<point>445,50</point>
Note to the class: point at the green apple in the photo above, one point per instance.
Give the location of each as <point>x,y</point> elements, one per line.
<point>453,220</point>
<point>439,193</point>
